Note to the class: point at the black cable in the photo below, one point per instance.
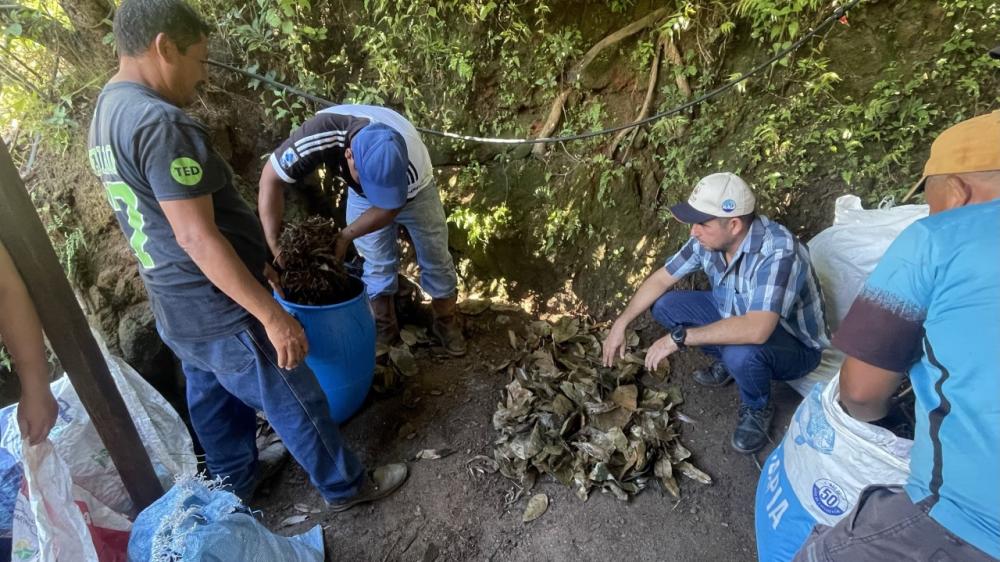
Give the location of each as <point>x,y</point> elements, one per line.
<point>836,15</point>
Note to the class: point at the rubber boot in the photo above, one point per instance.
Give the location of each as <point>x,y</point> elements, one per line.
<point>386,326</point>
<point>447,327</point>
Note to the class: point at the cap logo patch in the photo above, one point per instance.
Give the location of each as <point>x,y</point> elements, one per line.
<point>729,205</point>
<point>289,157</point>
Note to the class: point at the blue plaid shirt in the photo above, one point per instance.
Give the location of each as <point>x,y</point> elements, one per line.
<point>770,272</point>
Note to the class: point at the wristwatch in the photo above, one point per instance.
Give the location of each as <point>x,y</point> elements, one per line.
<point>679,334</point>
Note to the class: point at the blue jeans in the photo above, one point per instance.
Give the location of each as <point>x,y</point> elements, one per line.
<point>782,357</point>
<point>423,217</point>
<point>229,379</point>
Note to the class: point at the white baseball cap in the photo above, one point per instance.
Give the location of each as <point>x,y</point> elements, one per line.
<point>719,195</point>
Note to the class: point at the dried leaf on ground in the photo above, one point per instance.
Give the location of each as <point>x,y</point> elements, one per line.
<point>536,507</point>
<point>473,307</point>
<point>481,464</point>
<point>292,520</point>
<point>404,361</point>
<point>433,454</point>
<point>693,472</point>
<point>414,335</point>
<point>587,426</point>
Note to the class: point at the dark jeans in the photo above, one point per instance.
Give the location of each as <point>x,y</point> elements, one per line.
<point>887,525</point>
<point>782,357</point>
<point>229,379</point>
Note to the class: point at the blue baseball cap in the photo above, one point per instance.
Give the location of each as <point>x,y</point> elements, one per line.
<point>381,159</point>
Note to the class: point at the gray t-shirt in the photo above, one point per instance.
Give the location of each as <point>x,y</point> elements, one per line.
<point>146,150</point>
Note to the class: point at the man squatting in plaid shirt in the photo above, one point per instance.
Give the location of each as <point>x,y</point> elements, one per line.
<point>761,321</point>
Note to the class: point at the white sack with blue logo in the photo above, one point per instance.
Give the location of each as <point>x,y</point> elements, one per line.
<point>818,471</point>
<point>843,256</point>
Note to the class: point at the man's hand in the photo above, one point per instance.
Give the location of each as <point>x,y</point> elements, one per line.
<point>288,339</point>
<point>660,350</point>
<point>36,413</point>
<point>273,279</point>
<point>279,256</point>
<point>614,344</point>
<point>340,246</point>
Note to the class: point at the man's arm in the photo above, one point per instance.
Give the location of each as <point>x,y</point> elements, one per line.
<point>193,223</point>
<point>22,334</point>
<point>753,328</point>
<point>866,390</point>
<point>651,289</point>
<point>271,206</point>
<point>369,221</point>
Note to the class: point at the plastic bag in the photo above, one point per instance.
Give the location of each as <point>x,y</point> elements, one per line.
<point>197,522</point>
<point>49,526</point>
<point>843,256</point>
<point>98,494</point>
<point>818,471</point>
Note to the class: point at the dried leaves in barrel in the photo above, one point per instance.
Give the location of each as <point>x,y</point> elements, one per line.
<point>311,274</point>
<point>587,426</point>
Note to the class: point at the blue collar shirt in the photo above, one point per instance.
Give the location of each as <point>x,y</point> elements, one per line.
<point>769,272</point>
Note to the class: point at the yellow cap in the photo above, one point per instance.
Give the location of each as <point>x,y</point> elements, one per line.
<point>970,146</point>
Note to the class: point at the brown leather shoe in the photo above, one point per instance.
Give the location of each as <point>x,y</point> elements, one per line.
<point>386,325</point>
<point>447,327</point>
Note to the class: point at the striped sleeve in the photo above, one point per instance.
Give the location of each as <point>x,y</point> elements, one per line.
<point>778,280</point>
<point>319,140</point>
<point>687,260</point>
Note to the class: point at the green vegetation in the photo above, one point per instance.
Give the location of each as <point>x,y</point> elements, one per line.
<point>853,110</point>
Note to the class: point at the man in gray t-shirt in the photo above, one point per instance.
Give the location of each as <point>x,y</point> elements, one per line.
<point>201,254</point>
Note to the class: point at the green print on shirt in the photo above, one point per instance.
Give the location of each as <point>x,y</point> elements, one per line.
<point>186,171</point>
<point>120,191</point>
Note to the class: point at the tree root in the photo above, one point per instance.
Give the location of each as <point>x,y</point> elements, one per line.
<point>555,111</point>
<point>647,103</point>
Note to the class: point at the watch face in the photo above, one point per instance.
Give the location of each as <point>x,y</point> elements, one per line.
<point>678,334</point>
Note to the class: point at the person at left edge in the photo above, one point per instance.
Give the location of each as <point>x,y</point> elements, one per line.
<point>202,257</point>
<point>387,168</point>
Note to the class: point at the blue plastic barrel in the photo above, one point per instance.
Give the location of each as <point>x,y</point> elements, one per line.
<point>341,350</point>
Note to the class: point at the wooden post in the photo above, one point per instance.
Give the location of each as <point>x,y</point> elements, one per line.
<point>21,231</point>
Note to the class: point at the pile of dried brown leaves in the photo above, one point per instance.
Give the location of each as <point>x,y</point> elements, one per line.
<point>393,364</point>
<point>588,426</point>
<point>311,275</point>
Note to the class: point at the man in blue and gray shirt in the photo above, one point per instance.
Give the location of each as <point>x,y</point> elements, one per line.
<point>383,161</point>
<point>202,257</point>
<point>763,318</point>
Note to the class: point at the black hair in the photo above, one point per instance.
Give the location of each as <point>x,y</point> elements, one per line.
<point>138,22</point>
<point>746,219</point>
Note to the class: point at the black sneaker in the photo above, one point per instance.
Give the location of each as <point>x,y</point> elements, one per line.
<point>381,482</point>
<point>751,431</point>
<point>716,375</point>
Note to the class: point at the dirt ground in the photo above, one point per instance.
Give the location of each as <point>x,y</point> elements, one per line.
<point>446,513</point>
